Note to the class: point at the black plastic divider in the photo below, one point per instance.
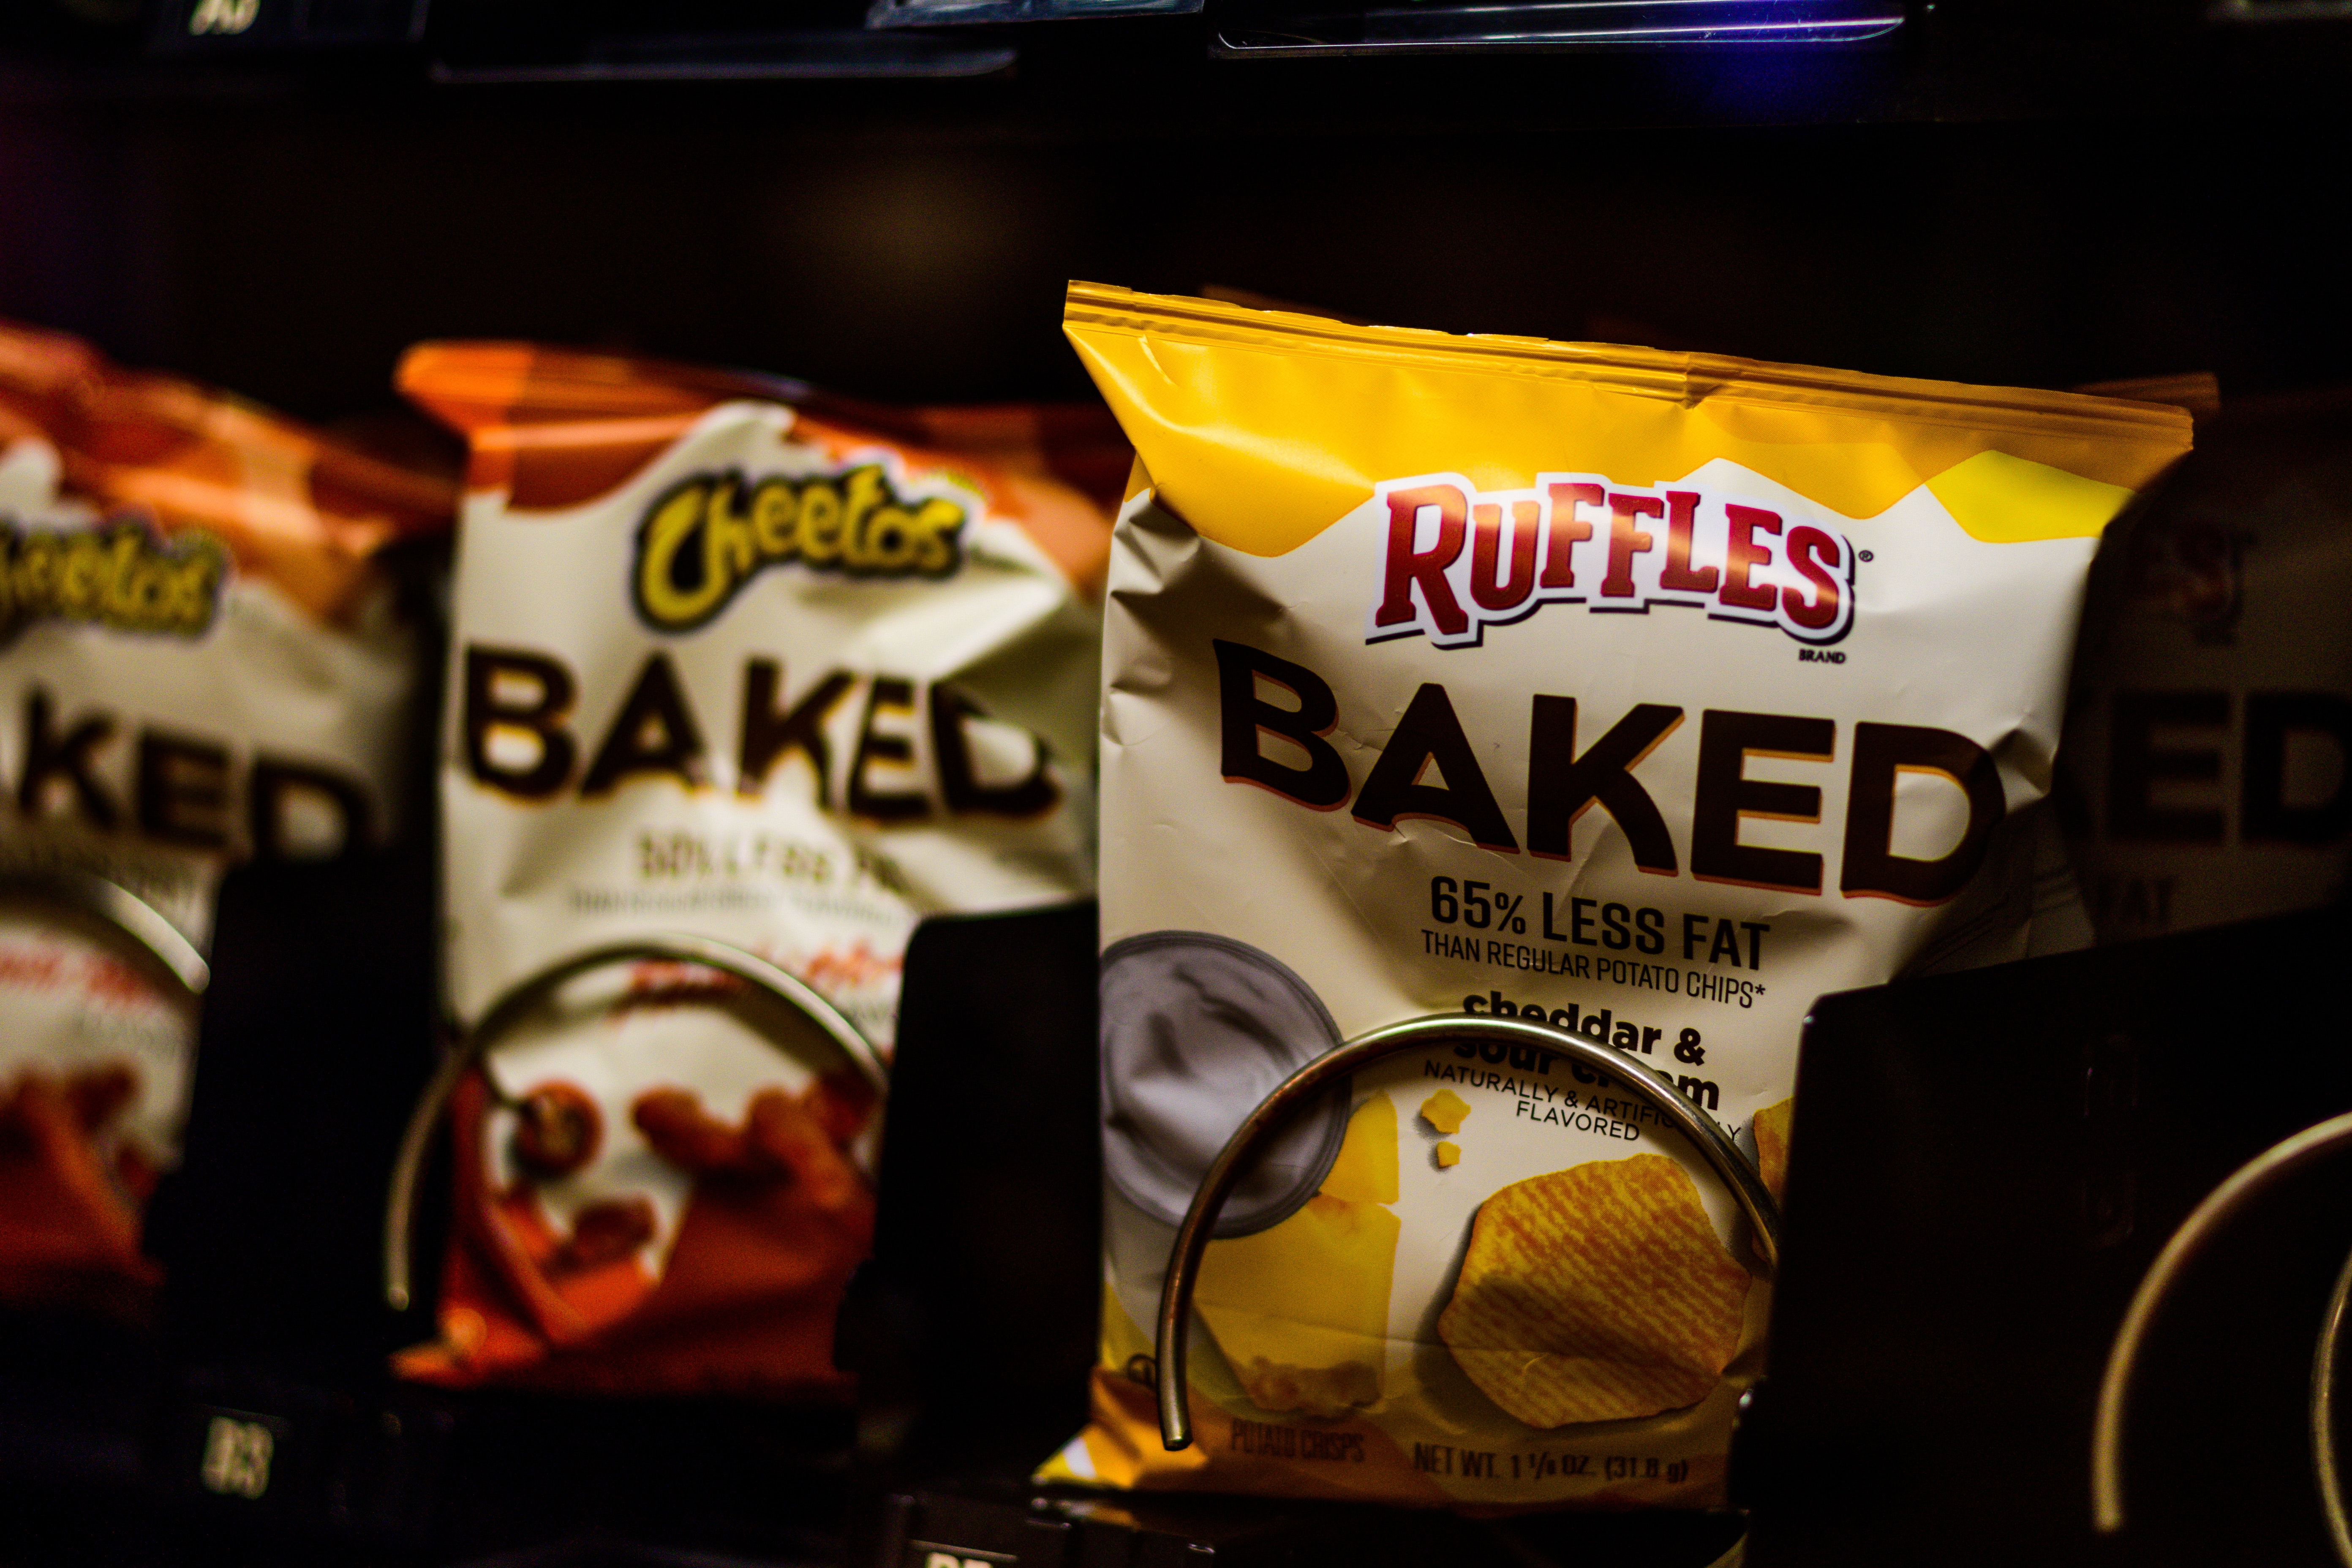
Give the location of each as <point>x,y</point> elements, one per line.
<point>1983,1167</point>
<point>973,1326</point>
<point>317,1036</point>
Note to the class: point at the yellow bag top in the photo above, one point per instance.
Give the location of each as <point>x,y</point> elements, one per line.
<point>1263,427</point>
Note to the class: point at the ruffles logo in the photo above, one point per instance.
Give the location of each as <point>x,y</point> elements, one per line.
<point>1458,560</point>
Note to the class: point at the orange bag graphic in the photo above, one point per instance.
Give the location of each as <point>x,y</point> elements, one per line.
<point>198,663</point>
<point>739,663</point>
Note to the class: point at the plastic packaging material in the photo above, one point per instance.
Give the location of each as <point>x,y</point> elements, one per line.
<point>740,662</point>
<point>200,660</point>
<point>2208,746</point>
<point>1646,696</point>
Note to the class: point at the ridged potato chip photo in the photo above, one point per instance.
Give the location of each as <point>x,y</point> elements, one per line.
<point>1596,1293</point>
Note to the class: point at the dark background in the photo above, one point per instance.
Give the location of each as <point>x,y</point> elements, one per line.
<point>2030,193</point>
<point>2037,195</point>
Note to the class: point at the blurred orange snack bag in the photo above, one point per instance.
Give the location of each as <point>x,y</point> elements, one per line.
<point>199,662</point>
<point>741,661</point>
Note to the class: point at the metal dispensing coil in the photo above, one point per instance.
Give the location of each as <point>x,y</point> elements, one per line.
<point>82,899</point>
<point>1310,1083</point>
<point>2225,1203</point>
<point>516,1003</point>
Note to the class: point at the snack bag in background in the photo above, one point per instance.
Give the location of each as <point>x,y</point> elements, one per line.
<point>199,661</point>
<point>2209,738</point>
<point>734,661</point>
<point>1647,695</point>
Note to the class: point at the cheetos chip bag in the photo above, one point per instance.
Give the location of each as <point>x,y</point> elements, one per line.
<point>739,663</point>
<point>201,662</point>
<point>1643,695</point>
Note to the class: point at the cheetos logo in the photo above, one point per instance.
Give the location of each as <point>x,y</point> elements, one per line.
<point>120,575</point>
<point>707,536</point>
